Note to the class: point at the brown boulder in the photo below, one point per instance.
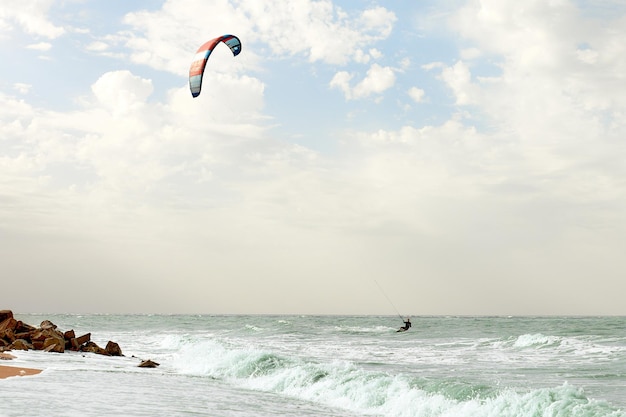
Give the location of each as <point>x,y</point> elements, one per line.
<point>113,349</point>
<point>20,344</point>
<point>53,344</point>
<point>23,327</point>
<point>68,336</point>
<point>39,336</point>
<point>7,335</point>
<point>22,335</point>
<point>8,324</point>
<point>93,348</point>
<point>77,342</point>
<point>5,314</point>
<point>7,330</point>
<point>47,325</point>
<point>148,364</point>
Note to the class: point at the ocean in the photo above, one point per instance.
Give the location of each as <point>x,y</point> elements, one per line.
<point>256,366</point>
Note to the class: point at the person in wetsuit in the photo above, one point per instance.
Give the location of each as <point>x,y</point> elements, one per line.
<point>407,324</point>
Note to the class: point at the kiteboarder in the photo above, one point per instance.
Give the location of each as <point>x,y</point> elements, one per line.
<point>407,325</point>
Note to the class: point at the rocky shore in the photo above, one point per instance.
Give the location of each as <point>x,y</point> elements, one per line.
<point>17,335</point>
<point>47,337</point>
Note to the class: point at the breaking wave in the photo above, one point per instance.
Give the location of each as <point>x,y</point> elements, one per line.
<point>345,385</point>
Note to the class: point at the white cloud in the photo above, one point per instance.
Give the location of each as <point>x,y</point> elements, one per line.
<point>378,20</point>
<point>121,91</point>
<point>375,53</point>
<point>123,141</point>
<point>98,46</point>
<point>560,102</point>
<point>433,65</point>
<point>361,57</point>
<point>31,16</point>
<point>22,88</point>
<point>341,80</point>
<point>458,78</point>
<point>547,52</point>
<point>417,94</point>
<point>564,76</point>
<point>318,29</point>
<point>377,80</point>
<point>41,46</point>
<point>469,54</point>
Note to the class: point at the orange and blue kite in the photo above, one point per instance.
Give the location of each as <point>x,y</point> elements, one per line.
<point>202,55</point>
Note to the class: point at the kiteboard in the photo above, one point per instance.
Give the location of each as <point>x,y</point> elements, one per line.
<point>401,329</point>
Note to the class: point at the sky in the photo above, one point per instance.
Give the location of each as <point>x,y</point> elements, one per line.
<point>414,157</point>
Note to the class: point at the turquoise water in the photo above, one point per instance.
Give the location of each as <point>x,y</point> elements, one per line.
<point>329,366</point>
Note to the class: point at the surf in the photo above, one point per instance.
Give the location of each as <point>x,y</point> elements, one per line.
<point>350,386</point>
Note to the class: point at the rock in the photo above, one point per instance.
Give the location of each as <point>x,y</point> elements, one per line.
<point>20,344</point>
<point>42,339</point>
<point>7,335</point>
<point>93,348</point>
<point>53,344</point>
<point>8,324</point>
<point>5,314</point>
<point>23,327</point>
<point>23,335</point>
<point>43,334</point>
<point>68,336</point>
<point>14,334</point>
<point>77,342</point>
<point>47,324</point>
<point>148,364</point>
<point>7,331</point>
<point>113,349</point>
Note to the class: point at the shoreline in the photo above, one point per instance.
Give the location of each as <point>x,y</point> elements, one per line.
<point>9,371</point>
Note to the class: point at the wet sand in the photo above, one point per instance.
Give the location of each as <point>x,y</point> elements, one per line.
<point>8,371</point>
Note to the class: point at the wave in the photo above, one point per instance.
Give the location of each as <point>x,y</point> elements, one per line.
<point>345,385</point>
<point>587,348</point>
<point>534,340</point>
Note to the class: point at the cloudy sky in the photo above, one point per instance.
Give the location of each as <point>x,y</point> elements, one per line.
<point>468,156</point>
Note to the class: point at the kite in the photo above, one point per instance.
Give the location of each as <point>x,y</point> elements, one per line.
<point>202,55</point>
